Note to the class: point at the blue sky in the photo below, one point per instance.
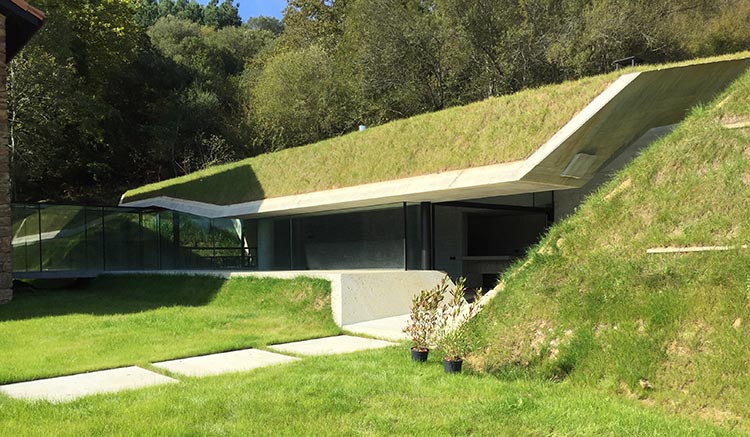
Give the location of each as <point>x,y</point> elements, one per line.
<point>253,8</point>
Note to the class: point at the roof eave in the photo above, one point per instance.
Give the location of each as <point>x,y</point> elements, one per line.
<point>21,23</point>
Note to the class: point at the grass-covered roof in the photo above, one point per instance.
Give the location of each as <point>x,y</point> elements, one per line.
<point>496,130</point>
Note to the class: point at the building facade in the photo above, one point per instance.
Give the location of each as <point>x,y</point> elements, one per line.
<point>18,22</point>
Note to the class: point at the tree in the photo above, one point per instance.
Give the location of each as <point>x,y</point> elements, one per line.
<point>409,61</point>
<point>269,24</point>
<point>509,41</point>
<point>309,22</point>
<point>297,99</point>
<point>57,99</point>
<point>221,15</point>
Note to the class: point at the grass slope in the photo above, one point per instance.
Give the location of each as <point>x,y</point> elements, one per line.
<point>500,129</point>
<point>496,130</point>
<point>370,393</point>
<point>590,307</point>
<point>125,320</point>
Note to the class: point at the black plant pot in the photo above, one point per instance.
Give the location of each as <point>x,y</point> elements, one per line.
<point>452,366</point>
<point>419,355</point>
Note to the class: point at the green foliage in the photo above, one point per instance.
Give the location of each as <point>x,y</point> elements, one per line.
<point>269,24</point>
<point>297,98</point>
<point>454,336</point>
<point>108,95</point>
<point>423,317</point>
<point>148,86</point>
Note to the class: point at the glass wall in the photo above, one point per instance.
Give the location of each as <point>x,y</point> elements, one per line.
<point>64,238</point>
<point>363,239</point>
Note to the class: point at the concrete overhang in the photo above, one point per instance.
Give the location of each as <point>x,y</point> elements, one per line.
<point>636,107</point>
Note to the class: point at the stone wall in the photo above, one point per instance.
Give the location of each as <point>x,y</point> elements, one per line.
<point>6,267</point>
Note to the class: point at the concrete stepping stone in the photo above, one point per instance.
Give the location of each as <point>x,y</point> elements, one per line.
<point>67,388</point>
<point>226,362</point>
<point>389,328</point>
<point>341,344</point>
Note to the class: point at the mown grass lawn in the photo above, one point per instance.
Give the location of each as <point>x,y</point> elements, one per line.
<point>126,320</point>
<point>372,393</point>
<point>133,320</point>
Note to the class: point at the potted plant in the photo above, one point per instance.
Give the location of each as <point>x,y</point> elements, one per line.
<point>423,319</point>
<point>454,336</point>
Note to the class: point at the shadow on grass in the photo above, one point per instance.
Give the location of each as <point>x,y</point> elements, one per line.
<point>110,295</point>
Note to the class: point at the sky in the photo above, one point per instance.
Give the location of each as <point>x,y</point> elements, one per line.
<point>253,8</point>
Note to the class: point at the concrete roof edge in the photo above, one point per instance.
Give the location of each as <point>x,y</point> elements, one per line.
<point>579,120</point>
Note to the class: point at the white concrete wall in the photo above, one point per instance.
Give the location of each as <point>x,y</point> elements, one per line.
<point>376,295</point>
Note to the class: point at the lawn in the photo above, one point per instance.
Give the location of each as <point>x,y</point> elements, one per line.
<point>497,130</point>
<point>372,393</point>
<point>125,320</point>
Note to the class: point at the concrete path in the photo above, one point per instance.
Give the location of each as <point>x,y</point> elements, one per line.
<point>341,344</point>
<point>227,362</point>
<point>390,328</point>
<point>67,388</point>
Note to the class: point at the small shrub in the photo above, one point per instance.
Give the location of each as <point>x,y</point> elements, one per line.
<point>454,336</point>
<point>424,315</point>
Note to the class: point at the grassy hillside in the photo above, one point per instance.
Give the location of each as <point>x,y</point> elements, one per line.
<point>497,130</point>
<point>589,306</point>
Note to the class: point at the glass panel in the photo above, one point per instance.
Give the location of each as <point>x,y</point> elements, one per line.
<point>57,237</point>
<point>63,238</point>
<point>195,232</point>
<point>413,237</point>
<point>353,240</point>
<point>122,241</point>
<point>150,244</point>
<point>25,242</point>
<point>281,254</point>
<point>503,234</point>
<point>227,233</point>
<point>169,255</point>
<point>94,248</point>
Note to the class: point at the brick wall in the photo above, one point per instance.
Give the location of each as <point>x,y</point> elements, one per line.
<point>6,268</point>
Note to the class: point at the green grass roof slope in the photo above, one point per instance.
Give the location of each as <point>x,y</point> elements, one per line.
<point>496,130</point>
<point>588,305</point>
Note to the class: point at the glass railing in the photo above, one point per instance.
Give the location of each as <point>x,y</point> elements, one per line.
<point>84,238</point>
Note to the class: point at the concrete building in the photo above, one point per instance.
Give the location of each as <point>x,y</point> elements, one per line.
<point>470,222</point>
<point>18,22</point>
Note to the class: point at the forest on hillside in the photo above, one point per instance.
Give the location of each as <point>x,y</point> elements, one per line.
<point>113,94</point>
